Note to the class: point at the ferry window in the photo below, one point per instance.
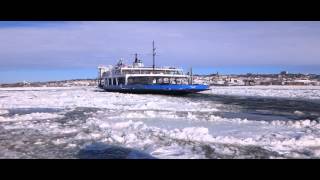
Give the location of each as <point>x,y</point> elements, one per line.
<point>165,80</point>
<point>114,81</point>
<point>121,81</point>
<point>129,80</point>
<point>110,83</point>
<point>140,80</point>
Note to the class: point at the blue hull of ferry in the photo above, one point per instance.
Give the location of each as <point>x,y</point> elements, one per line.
<point>158,88</point>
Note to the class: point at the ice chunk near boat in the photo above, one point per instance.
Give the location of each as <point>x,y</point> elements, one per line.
<point>3,111</point>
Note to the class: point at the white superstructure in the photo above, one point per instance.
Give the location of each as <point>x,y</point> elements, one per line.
<point>137,73</point>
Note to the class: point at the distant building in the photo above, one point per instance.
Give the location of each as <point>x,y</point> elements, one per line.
<point>249,82</point>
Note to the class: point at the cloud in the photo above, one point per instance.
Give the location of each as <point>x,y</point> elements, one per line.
<point>202,44</point>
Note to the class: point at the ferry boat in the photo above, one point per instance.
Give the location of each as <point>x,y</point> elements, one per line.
<point>137,78</point>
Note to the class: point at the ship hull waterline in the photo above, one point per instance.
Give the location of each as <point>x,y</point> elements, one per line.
<point>157,89</point>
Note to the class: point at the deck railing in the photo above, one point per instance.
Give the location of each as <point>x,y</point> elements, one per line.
<point>147,72</point>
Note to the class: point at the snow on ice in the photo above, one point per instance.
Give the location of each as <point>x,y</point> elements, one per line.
<point>162,126</point>
<point>305,92</point>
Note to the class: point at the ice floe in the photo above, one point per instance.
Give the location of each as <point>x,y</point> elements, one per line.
<point>306,92</point>
<point>162,126</point>
<point>29,117</point>
<point>3,111</point>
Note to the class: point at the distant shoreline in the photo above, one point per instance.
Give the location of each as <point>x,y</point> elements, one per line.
<point>93,82</point>
<point>281,79</point>
<point>62,83</point>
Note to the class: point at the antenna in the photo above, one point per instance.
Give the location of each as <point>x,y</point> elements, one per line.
<point>136,58</point>
<point>153,55</point>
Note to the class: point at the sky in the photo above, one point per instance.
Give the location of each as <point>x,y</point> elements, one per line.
<point>57,50</point>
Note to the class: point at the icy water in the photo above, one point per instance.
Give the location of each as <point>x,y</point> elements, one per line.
<point>227,122</point>
<point>265,108</point>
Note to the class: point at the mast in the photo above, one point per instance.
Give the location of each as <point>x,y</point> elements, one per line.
<point>191,76</point>
<point>153,55</point>
<point>136,58</point>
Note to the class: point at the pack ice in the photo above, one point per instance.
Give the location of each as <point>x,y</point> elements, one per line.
<point>61,122</point>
